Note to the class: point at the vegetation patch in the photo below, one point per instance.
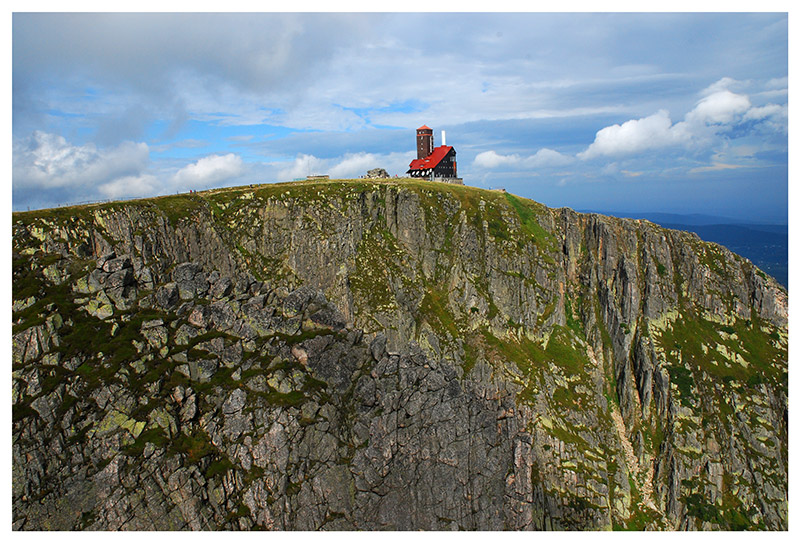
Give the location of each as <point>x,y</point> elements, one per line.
<point>729,515</point>
<point>530,357</point>
<point>528,214</point>
<point>574,322</point>
<point>219,467</point>
<point>28,281</point>
<point>746,354</point>
<point>565,351</point>
<point>376,268</point>
<point>434,311</point>
<point>153,435</point>
<point>472,351</point>
<point>194,447</point>
<point>180,207</point>
<point>683,379</point>
<point>497,226</point>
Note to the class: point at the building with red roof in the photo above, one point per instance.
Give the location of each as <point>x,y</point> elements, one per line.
<point>434,163</point>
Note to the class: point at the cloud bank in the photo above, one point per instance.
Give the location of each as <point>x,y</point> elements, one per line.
<point>636,136</point>
<point>348,166</point>
<point>47,161</point>
<point>714,114</point>
<point>542,158</point>
<point>207,172</point>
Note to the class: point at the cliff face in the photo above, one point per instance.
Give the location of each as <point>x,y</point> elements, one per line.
<point>389,355</point>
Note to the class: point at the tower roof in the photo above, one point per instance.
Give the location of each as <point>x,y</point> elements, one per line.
<point>424,127</point>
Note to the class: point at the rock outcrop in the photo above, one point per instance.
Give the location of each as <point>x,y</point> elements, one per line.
<point>377,173</point>
<point>389,355</point>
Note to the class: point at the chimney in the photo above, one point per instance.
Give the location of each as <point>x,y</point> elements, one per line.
<point>444,138</point>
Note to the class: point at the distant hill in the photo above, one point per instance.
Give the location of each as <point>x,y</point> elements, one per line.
<point>766,245</point>
<point>769,250</point>
<point>694,219</point>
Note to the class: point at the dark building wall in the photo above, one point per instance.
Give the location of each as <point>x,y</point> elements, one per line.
<point>447,166</point>
<point>424,142</point>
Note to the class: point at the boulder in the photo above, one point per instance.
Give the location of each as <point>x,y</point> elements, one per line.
<point>190,279</point>
<point>377,173</point>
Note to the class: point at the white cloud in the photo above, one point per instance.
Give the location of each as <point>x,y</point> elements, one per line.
<point>712,115</point>
<point>774,94</point>
<point>722,85</point>
<point>635,136</point>
<point>777,83</point>
<point>49,161</point>
<point>208,171</point>
<point>349,166</point>
<point>758,113</point>
<point>543,158</point>
<point>355,165</point>
<point>133,186</point>
<point>302,166</point>
<point>549,157</point>
<point>719,108</point>
<point>715,167</point>
<point>770,117</point>
<point>491,159</point>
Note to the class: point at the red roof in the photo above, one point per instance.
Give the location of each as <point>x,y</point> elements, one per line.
<point>424,127</point>
<point>432,160</point>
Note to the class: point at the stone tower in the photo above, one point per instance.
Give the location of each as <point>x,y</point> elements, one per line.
<point>424,141</point>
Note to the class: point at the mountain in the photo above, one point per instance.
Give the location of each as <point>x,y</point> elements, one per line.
<point>767,245</point>
<point>393,354</point>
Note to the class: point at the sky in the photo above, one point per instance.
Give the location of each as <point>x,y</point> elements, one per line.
<point>649,112</point>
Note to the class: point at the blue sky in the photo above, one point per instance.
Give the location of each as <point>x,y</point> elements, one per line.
<point>671,112</point>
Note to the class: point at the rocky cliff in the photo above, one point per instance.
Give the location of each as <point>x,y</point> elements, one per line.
<point>389,355</point>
